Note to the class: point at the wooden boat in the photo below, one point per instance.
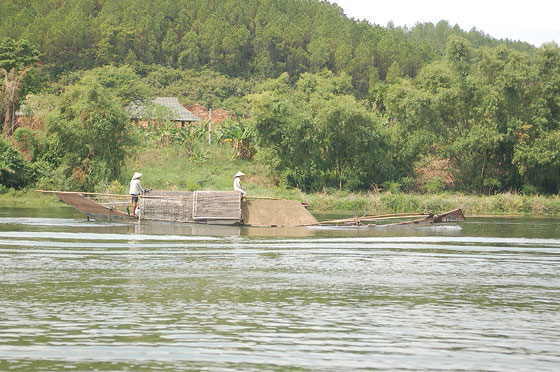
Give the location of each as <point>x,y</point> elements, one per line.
<point>450,217</point>
<point>202,207</point>
<point>228,208</point>
<point>412,219</point>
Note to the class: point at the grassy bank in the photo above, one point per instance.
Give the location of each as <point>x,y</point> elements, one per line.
<point>381,203</point>
<point>211,167</point>
<point>27,198</point>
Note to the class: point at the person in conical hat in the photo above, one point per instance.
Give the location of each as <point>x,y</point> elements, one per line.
<point>135,190</point>
<point>237,184</point>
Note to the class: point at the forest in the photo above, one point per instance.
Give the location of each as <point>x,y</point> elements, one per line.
<point>319,99</point>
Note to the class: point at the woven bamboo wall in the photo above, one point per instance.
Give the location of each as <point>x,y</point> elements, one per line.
<point>217,204</point>
<point>190,206</point>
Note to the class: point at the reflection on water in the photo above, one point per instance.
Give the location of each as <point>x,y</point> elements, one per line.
<point>85,295</point>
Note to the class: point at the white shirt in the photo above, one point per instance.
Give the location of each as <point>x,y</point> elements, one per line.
<point>135,187</point>
<point>237,186</point>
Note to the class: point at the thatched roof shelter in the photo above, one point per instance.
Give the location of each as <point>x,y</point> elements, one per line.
<point>178,113</point>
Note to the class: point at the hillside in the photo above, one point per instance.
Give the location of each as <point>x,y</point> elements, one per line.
<point>237,38</point>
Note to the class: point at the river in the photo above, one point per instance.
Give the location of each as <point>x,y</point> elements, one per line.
<point>83,295</point>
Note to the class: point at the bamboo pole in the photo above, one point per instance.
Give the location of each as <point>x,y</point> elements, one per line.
<point>373,218</point>
<point>114,195</point>
<point>262,198</point>
<point>82,193</point>
<point>142,196</point>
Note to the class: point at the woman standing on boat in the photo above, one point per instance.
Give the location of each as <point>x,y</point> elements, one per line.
<point>135,190</point>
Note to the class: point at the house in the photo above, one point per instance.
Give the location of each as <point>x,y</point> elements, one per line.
<point>162,108</point>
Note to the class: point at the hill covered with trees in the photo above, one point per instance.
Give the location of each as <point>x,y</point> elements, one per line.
<point>251,38</point>
<point>322,100</point>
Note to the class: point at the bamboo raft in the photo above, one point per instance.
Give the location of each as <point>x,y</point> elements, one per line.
<point>228,208</point>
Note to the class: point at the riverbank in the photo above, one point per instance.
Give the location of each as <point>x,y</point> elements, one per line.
<point>369,203</point>
<point>473,205</point>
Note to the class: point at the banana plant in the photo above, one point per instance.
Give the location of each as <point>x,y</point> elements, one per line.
<point>241,136</point>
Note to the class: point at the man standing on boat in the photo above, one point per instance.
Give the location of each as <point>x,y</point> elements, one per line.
<point>237,184</point>
<point>135,190</point>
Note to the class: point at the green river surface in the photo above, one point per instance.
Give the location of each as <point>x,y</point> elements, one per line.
<point>82,295</point>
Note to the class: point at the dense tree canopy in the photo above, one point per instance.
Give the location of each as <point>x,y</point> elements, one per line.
<point>316,133</point>
<point>495,115</point>
<point>239,38</point>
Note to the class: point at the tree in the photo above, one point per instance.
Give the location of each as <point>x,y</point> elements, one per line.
<point>11,89</point>
<point>89,133</point>
<point>349,144</point>
<point>316,134</point>
<point>394,73</point>
<point>537,147</point>
<point>538,161</point>
<point>15,171</point>
<point>459,52</point>
<point>17,54</point>
<point>16,57</point>
<point>122,81</point>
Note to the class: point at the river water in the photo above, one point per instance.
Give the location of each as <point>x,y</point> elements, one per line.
<point>84,295</point>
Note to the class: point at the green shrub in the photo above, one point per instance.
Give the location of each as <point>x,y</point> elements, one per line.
<point>529,189</point>
<point>393,187</point>
<point>393,202</point>
<point>434,205</point>
<point>434,185</point>
<point>406,184</point>
<point>491,185</point>
<point>15,171</point>
<point>116,188</point>
<point>27,140</point>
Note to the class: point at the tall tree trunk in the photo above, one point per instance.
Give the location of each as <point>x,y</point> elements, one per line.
<point>10,91</point>
<point>8,121</point>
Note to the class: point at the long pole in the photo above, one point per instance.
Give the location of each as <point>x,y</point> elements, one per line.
<point>209,126</point>
<point>112,195</point>
<point>373,218</point>
<point>128,196</point>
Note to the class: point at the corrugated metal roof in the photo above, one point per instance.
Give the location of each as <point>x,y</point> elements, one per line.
<point>138,111</point>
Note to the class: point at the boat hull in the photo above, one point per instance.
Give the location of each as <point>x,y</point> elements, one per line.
<point>199,207</point>
<point>228,208</point>
<point>451,217</point>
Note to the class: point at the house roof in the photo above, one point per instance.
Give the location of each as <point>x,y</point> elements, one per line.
<point>138,110</point>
